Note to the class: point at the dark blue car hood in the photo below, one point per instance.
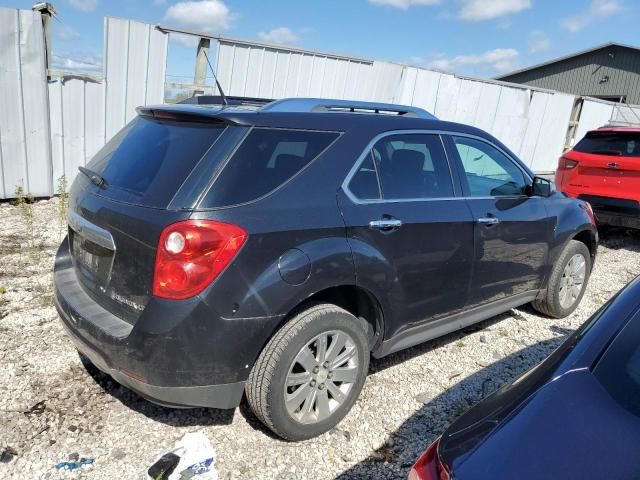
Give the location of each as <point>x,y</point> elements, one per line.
<point>570,429</point>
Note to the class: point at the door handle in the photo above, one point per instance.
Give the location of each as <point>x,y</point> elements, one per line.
<point>488,221</point>
<point>386,224</point>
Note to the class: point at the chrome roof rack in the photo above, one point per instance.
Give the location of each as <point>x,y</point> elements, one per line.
<point>308,105</point>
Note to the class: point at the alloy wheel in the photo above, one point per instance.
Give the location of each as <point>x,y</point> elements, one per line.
<point>321,377</point>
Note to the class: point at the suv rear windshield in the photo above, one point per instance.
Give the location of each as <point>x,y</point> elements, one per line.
<point>148,160</point>
<point>622,144</point>
<point>619,368</point>
<point>266,159</point>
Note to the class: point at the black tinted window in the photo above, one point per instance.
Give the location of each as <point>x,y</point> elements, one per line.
<point>412,166</point>
<point>488,172</point>
<point>364,183</point>
<point>148,160</point>
<point>266,159</point>
<point>607,143</point>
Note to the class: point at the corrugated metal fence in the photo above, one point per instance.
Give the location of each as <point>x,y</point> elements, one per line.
<point>51,125</point>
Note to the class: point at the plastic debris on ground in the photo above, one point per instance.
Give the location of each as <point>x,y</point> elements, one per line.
<point>192,457</point>
<point>74,465</point>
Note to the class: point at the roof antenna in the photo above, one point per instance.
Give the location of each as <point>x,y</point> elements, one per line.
<point>222,95</point>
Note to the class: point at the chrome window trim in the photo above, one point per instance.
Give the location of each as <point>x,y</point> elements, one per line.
<point>440,133</point>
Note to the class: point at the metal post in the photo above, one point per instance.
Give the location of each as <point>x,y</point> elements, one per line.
<point>201,66</point>
<point>47,10</point>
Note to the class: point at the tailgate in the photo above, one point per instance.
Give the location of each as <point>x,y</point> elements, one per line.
<point>113,249</point>
<point>609,164</point>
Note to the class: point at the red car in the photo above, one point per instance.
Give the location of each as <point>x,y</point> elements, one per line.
<point>604,169</point>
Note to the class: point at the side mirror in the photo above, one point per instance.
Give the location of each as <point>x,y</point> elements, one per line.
<point>541,187</point>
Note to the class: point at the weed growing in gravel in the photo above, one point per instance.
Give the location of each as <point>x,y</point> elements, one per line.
<point>3,290</point>
<point>460,344</point>
<point>24,201</point>
<point>63,203</point>
<point>503,332</point>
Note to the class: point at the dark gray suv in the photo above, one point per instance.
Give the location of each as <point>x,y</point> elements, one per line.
<point>268,251</point>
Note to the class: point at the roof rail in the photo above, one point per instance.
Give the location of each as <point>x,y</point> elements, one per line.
<point>344,106</point>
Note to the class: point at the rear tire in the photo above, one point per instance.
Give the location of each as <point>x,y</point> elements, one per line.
<point>310,373</point>
<point>567,282</point>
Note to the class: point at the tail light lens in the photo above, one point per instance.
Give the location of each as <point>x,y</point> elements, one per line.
<point>567,164</point>
<point>191,254</point>
<point>429,466</point>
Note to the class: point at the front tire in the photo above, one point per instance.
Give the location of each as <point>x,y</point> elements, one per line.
<point>567,282</point>
<point>310,373</point>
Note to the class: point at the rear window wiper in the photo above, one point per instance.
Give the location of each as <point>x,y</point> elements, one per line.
<point>94,177</point>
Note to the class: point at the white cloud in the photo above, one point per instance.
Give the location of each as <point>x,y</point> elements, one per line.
<point>84,5</point>
<point>64,32</point>
<point>499,60</point>
<point>538,42</point>
<point>204,16</point>
<point>77,63</point>
<point>597,10</point>
<point>479,10</point>
<point>282,35</point>
<point>404,4</point>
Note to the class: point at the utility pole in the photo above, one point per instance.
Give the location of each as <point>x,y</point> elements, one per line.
<point>200,76</point>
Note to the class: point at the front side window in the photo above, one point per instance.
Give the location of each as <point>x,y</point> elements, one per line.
<point>488,172</point>
<point>407,166</point>
<point>266,159</point>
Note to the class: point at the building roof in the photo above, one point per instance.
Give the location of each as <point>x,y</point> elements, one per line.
<point>566,57</point>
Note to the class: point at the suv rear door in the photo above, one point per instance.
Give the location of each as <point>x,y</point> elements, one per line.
<point>400,207</point>
<point>512,229</point>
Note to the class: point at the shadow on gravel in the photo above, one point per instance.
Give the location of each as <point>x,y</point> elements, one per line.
<point>619,238</point>
<point>403,447</point>
<point>170,416</point>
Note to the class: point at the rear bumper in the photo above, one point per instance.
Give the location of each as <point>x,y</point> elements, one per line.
<point>177,354</point>
<point>614,211</point>
<point>215,396</point>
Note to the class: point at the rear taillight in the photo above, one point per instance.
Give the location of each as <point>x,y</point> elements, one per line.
<point>429,466</point>
<point>191,254</point>
<point>566,164</point>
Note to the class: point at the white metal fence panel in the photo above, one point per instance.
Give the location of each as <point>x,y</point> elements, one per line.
<point>47,131</point>
<point>256,70</point>
<point>531,137</point>
<point>513,114</point>
<point>594,114</point>
<point>135,69</point>
<point>77,124</point>
<point>553,132</point>
<point>24,116</point>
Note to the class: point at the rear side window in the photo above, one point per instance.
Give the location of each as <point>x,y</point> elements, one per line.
<point>608,143</point>
<point>408,166</point>
<point>265,160</point>
<point>148,160</point>
<point>619,368</point>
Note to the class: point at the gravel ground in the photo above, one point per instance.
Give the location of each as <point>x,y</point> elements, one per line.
<point>408,399</point>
